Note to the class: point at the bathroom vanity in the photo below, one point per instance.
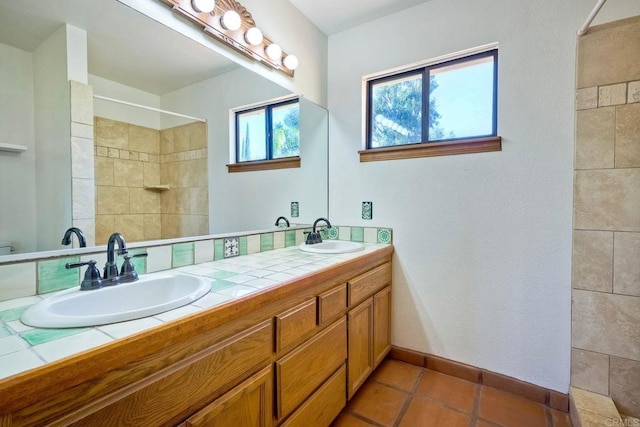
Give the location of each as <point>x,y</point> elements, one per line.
<point>288,355</point>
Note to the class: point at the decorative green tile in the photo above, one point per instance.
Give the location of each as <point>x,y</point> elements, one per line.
<point>243,245</point>
<point>12,314</point>
<point>324,232</point>
<point>139,263</point>
<point>384,235</point>
<point>367,210</point>
<point>53,276</point>
<point>295,209</point>
<point>221,274</point>
<point>357,234</point>
<point>332,233</point>
<point>182,254</point>
<point>266,242</point>
<point>231,247</point>
<point>4,331</point>
<point>289,238</point>
<point>218,249</point>
<point>219,285</point>
<point>41,336</point>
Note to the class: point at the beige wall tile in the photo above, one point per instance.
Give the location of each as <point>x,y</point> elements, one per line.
<point>587,98</point>
<point>166,141</point>
<point>606,323</point>
<point>170,225</point>
<point>145,140</point>
<point>102,151</point>
<point>199,201</point>
<point>625,385</point>
<point>607,200</point>
<point>593,260</point>
<point>104,227</point>
<point>144,201</point>
<point>128,173</point>
<point>84,199</point>
<point>595,133</point>
<point>626,276</point>
<point>104,171</point>
<point>609,54</point>
<point>114,153</point>
<point>633,92</point>
<point>110,133</point>
<point>130,226</point>
<point>197,135</point>
<point>183,200</point>
<point>81,103</point>
<point>152,227</point>
<point>628,136</point>
<point>82,154</point>
<point>151,173</point>
<point>112,200</point>
<point>612,95</point>
<point>169,201</point>
<point>203,224</point>
<point>181,137</point>
<point>189,225</point>
<point>590,371</point>
<point>17,280</point>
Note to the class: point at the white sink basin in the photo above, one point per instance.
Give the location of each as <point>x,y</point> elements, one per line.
<point>332,247</point>
<point>151,294</point>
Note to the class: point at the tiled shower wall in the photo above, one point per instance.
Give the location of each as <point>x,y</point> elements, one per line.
<point>606,241</point>
<point>131,164</point>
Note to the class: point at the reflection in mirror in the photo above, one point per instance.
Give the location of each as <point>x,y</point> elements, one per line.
<point>113,51</point>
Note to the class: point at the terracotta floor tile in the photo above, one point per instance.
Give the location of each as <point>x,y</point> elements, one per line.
<point>424,413</point>
<point>378,402</point>
<point>560,419</point>
<point>510,410</point>
<point>397,374</point>
<point>484,423</point>
<point>345,419</point>
<point>452,391</point>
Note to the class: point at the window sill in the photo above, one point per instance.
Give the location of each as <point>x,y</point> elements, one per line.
<point>447,148</point>
<point>264,165</point>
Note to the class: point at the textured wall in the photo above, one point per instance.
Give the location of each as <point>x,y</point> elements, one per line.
<point>605,355</point>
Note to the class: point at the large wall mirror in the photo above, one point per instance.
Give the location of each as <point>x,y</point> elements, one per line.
<point>147,173</point>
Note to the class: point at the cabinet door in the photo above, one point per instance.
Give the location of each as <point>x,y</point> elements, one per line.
<point>381,325</point>
<point>360,353</point>
<point>249,404</point>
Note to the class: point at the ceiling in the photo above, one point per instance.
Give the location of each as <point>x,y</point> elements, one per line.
<point>156,61</point>
<point>333,16</point>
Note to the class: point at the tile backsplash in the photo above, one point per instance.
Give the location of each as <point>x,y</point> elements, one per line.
<point>40,276</point>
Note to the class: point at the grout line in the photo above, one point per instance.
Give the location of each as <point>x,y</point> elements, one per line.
<point>547,415</point>
<point>476,406</point>
<point>409,398</point>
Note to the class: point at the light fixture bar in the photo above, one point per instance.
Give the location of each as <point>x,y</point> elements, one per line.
<point>236,35</point>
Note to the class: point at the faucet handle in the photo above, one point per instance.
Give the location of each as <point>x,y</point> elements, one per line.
<point>92,279</point>
<point>128,271</point>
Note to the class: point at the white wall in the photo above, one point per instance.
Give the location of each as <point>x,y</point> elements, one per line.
<point>17,170</point>
<point>483,241</point>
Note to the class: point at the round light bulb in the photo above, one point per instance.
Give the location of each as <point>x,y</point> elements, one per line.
<point>203,6</point>
<point>290,61</point>
<point>274,52</point>
<point>231,20</point>
<point>253,36</point>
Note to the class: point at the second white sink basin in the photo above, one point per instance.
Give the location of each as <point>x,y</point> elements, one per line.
<point>151,294</point>
<point>332,247</point>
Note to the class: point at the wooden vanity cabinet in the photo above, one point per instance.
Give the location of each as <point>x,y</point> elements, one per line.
<point>291,356</point>
<point>369,324</point>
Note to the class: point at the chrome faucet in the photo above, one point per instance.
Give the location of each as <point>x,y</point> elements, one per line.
<point>66,240</point>
<point>92,279</point>
<point>286,221</point>
<point>315,237</point>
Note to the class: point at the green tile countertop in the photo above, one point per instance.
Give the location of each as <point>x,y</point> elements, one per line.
<point>23,347</point>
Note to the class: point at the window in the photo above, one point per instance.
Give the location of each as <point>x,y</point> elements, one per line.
<point>444,107</point>
<point>268,132</point>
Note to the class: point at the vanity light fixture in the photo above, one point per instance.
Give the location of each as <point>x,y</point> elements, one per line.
<point>203,6</point>
<point>231,23</point>
<point>254,36</point>
<point>231,20</point>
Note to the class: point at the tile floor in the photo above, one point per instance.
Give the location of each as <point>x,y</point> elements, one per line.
<point>404,395</point>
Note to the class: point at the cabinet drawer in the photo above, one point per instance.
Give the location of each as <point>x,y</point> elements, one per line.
<point>295,324</point>
<point>300,372</point>
<point>248,404</point>
<point>331,304</point>
<point>169,396</point>
<point>368,283</point>
<point>324,405</point>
